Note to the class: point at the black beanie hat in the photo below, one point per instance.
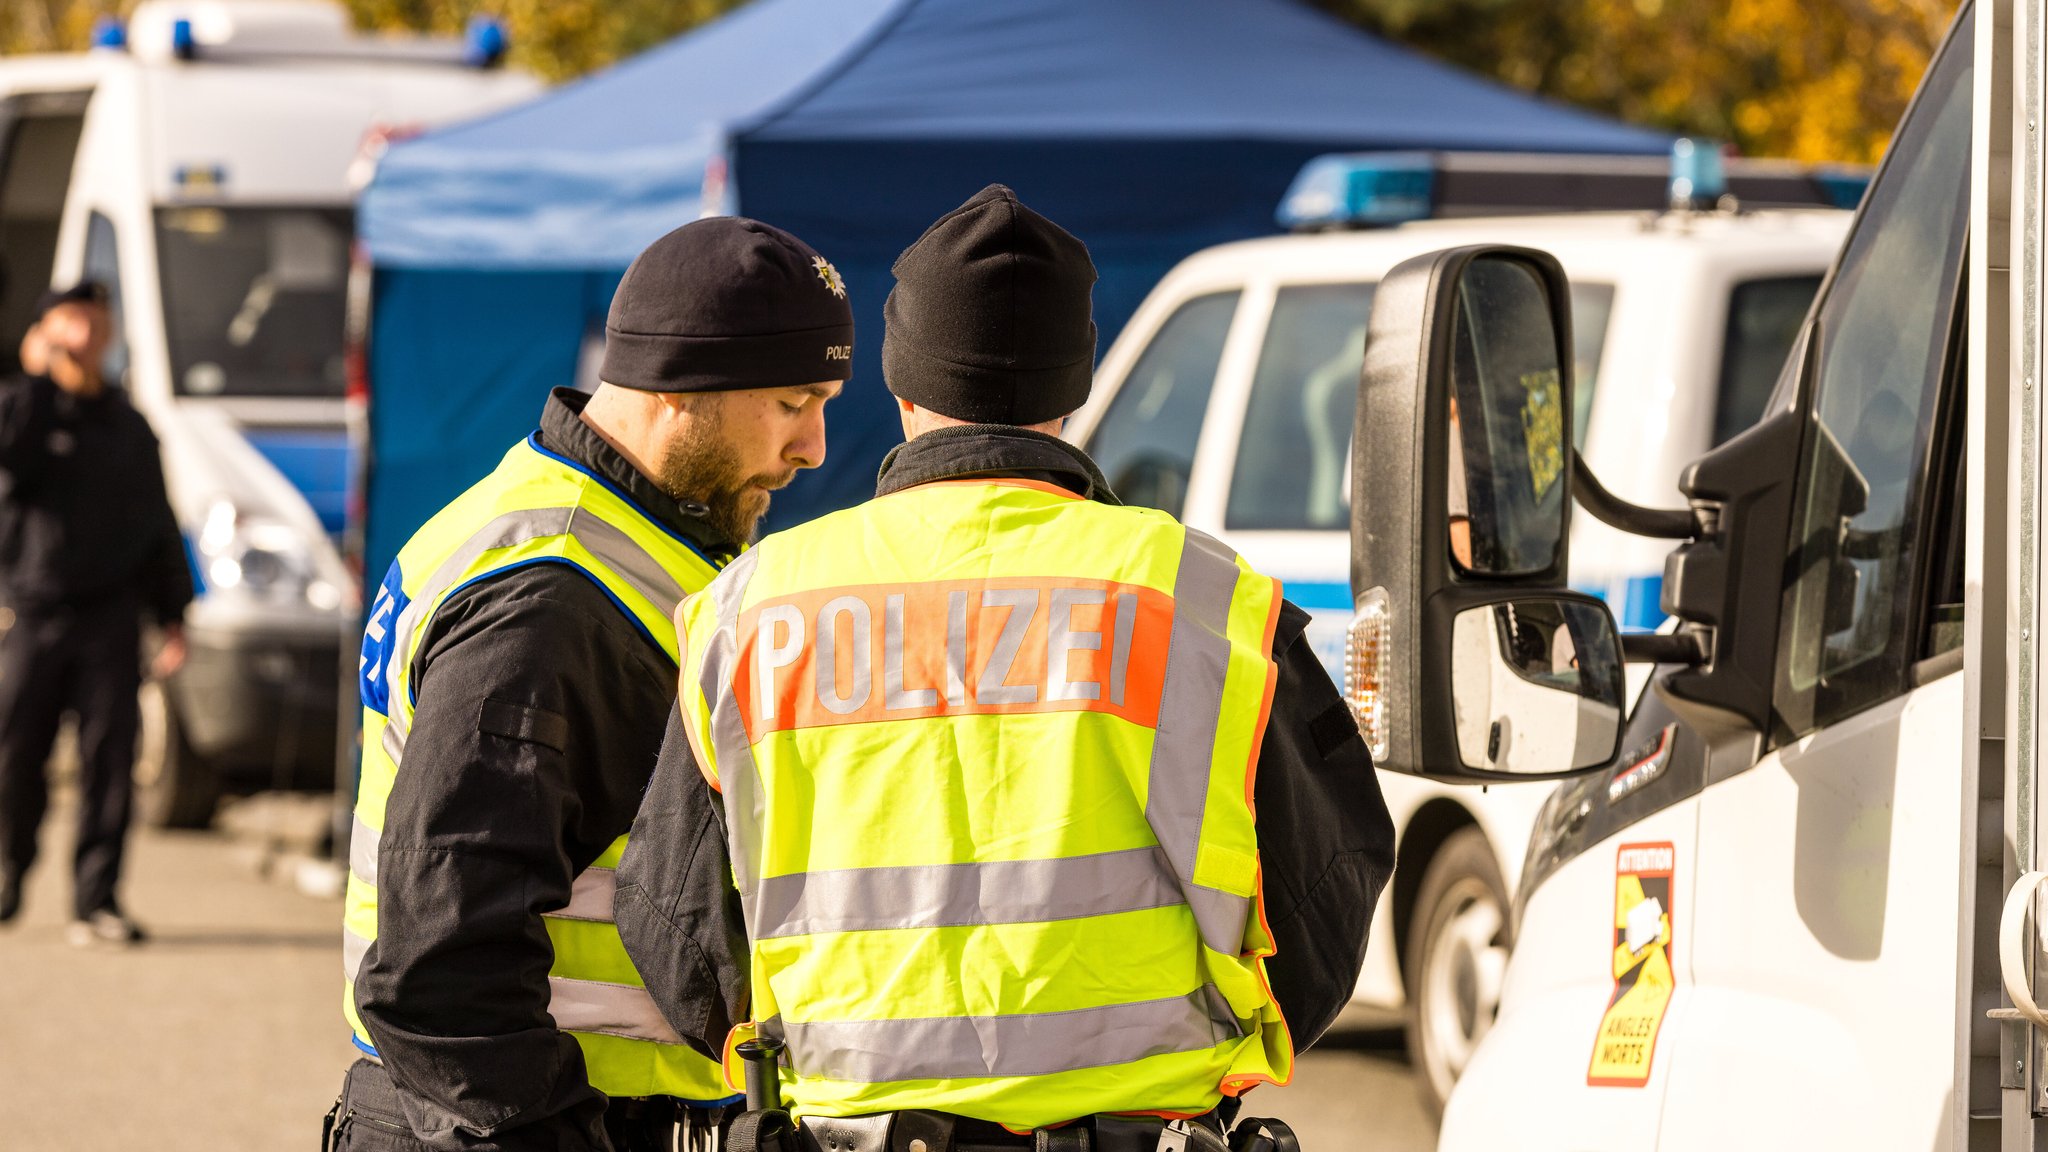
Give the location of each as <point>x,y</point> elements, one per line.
<point>724,304</point>
<point>990,319</point>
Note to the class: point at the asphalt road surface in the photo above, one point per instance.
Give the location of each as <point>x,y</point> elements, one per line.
<point>223,1033</point>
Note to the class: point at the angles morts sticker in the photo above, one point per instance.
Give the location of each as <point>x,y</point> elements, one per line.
<point>1642,967</point>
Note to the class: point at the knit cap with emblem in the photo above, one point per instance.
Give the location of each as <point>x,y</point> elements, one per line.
<point>991,317</point>
<point>727,303</point>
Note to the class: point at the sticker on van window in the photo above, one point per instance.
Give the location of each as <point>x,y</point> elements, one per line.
<point>1627,1039</point>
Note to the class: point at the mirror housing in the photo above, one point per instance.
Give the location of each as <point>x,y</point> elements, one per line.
<point>1490,325</point>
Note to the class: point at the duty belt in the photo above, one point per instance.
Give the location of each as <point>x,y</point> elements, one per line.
<point>766,1127</point>
<point>939,1132</point>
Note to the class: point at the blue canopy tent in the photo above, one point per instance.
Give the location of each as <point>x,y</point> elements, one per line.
<point>1149,128</point>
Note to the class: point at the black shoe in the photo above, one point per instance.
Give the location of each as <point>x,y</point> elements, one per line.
<point>10,895</point>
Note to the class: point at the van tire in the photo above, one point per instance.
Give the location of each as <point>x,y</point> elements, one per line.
<point>175,787</point>
<point>1457,945</point>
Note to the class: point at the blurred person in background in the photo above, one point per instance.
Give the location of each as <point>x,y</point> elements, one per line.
<point>89,548</point>
<point>519,668</point>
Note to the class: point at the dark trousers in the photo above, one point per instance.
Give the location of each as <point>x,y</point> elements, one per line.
<point>87,662</point>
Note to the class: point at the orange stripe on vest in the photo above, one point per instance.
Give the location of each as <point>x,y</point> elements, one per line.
<point>952,648</point>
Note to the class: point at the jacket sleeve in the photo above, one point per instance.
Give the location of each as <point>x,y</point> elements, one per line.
<point>27,408</point>
<point>676,906</point>
<point>520,767</point>
<point>166,574</point>
<point>1326,843</point>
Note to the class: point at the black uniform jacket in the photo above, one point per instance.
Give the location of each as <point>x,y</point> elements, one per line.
<point>1325,841</point>
<point>540,712</point>
<point>84,521</point>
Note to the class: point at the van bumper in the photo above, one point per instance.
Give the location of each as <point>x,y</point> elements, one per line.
<point>261,706</point>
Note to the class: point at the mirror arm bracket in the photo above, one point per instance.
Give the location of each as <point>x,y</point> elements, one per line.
<point>1684,647</point>
<point>1634,519</point>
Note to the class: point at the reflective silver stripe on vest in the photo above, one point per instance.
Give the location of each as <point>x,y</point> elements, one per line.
<point>737,779</point>
<point>1040,1044</point>
<point>949,895</point>
<point>613,1009</point>
<point>502,532</point>
<point>630,562</point>
<point>352,949</point>
<point>1190,710</point>
<point>590,898</point>
<point>362,851</point>
<point>393,739</point>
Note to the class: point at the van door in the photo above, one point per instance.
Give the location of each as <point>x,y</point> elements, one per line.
<point>38,145</point>
<point>1823,925</point>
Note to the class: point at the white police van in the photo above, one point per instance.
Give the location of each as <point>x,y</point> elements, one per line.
<point>1228,400</point>
<point>198,161</point>
<point>1787,905</point>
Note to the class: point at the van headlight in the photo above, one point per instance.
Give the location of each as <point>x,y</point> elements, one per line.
<point>260,558</point>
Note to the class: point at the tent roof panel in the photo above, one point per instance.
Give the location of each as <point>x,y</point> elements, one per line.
<point>1167,69</point>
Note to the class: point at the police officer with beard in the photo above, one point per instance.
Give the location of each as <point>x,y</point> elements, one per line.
<point>518,668</point>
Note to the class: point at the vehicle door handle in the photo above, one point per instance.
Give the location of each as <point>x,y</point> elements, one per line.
<point>2012,952</point>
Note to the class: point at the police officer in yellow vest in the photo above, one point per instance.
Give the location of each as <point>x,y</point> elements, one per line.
<point>518,666</point>
<point>1038,808</point>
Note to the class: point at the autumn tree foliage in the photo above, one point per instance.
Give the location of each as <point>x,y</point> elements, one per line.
<point>1812,79</point>
<point>1809,79</point>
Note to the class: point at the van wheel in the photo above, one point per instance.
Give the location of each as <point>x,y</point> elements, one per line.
<point>174,786</point>
<point>1457,952</point>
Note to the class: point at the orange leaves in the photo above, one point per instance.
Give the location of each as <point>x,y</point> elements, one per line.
<point>1809,79</point>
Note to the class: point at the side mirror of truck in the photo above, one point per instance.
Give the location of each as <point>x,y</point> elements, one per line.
<point>1469,659</point>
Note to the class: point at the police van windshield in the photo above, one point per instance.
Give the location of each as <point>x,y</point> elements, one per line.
<point>254,298</point>
<point>1292,457</point>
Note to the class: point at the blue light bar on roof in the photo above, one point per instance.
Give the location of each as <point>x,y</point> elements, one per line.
<point>484,42</point>
<point>184,45</point>
<point>1698,178</point>
<point>1359,190</point>
<point>109,32</point>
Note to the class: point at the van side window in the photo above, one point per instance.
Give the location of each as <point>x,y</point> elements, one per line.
<point>37,147</point>
<point>1763,321</point>
<point>1297,429</point>
<point>103,263</point>
<point>1846,637</point>
<point>1145,444</point>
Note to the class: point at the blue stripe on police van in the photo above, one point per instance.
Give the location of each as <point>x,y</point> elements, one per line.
<point>1323,594</point>
<point>315,461</point>
<point>192,562</point>
<point>1636,601</point>
<point>1643,604</point>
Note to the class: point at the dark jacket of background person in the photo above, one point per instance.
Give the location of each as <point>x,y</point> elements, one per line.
<point>484,832</point>
<point>84,520</point>
<point>1326,843</point>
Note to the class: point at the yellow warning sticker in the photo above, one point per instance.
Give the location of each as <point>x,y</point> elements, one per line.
<point>1642,967</point>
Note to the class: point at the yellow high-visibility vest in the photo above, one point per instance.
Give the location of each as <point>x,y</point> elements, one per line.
<point>536,507</point>
<point>986,754</point>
